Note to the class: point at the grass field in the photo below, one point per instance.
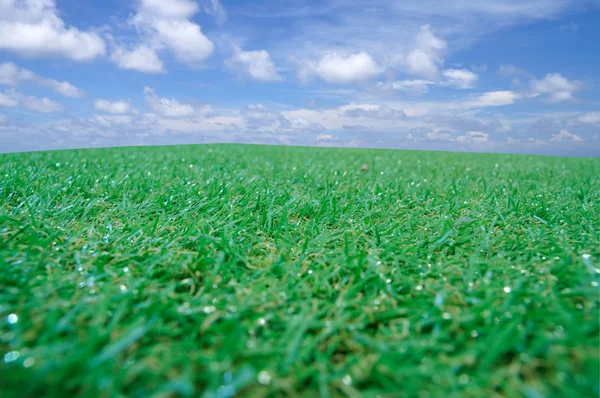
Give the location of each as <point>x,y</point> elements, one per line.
<point>263,271</point>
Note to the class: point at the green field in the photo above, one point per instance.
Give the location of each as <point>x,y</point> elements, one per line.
<point>223,271</point>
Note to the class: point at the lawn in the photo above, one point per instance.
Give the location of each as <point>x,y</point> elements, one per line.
<point>255,271</point>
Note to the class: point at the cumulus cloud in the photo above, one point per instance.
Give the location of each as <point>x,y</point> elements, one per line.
<point>438,135</point>
<point>428,55</point>
<point>324,137</point>
<point>381,112</point>
<point>164,26</point>
<point>415,86</point>
<point>494,98</point>
<point>142,59</point>
<point>170,107</point>
<point>460,78</point>
<point>555,87</point>
<point>256,64</point>
<point>13,98</point>
<point>590,118</point>
<point>165,106</point>
<point>114,107</point>
<point>12,75</point>
<point>336,68</point>
<point>33,28</point>
<point>257,118</point>
<point>476,137</point>
<point>7,99</point>
<point>41,105</point>
<point>565,136</point>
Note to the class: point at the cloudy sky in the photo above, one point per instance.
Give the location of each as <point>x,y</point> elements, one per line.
<point>489,75</point>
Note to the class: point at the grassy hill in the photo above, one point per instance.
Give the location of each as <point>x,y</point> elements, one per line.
<point>266,271</point>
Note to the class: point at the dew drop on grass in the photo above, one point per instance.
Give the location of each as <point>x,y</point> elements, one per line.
<point>347,380</point>
<point>264,378</point>
<point>123,289</point>
<point>507,289</point>
<point>261,322</point>
<point>11,356</point>
<point>29,362</point>
<point>12,319</point>
<point>209,309</point>
<point>419,288</point>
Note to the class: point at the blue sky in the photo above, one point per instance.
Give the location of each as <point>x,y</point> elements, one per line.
<point>492,76</point>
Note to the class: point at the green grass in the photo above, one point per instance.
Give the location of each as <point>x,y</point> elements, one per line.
<point>266,271</point>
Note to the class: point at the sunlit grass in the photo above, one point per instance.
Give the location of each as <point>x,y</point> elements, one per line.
<point>266,271</point>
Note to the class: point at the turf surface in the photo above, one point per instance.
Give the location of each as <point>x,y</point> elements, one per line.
<point>265,271</point>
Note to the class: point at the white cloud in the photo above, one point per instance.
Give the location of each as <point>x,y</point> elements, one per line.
<point>508,70</point>
<point>437,135</point>
<point>385,29</point>
<point>185,39</point>
<point>164,26</point>
<point>336,68</point>
<point>215,9</point>
<point>590,117</point>
<point>64,88</point>
<point>417,86</point>
<point>170,107</point>
<point>256,64</point>
<point>460,124</point>
<point>258,119</point>
<point>460,78</point>
<point>7,99</point>
<point>565,136</point>
<point>3,118</point>
<point>41,105</point>
<point>476,137</point>
<point>494,98</point>
<point>142,59</point>
<point>12,75</point>
<point>175,9</point>
<point>324,137</point>
<point>556,87</point>
<point>427,56</point>
<point>381,112</point>
<point>33,28</point>
<point>12,98</point>
<point>117,107</point>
